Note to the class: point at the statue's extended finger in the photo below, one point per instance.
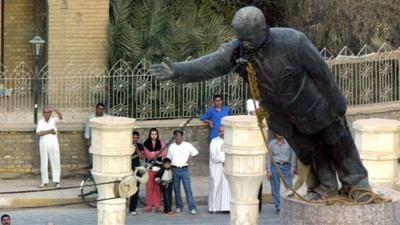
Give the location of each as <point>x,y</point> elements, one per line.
<point>167,61</point>
<point>156,74</point>
<point>164,76</point>
<point>155,66</point>
<point>154,70</point>
<point>167,68</point>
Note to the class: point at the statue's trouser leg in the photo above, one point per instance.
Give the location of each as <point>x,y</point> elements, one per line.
<point>309,151</point>
<point>345,157</point>
<point>303,171</point>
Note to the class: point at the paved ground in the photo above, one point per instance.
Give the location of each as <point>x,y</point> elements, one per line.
<point>199,187</point>
<point>87,216</point>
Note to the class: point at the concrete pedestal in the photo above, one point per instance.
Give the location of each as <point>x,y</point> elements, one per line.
<point>378,141</point>
<point>295,212</point>
<point>245,162</point>
<point>112,149</point>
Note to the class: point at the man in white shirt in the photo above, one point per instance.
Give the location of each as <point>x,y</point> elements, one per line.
<point>219,192</point>
<point>180,153</point>
<point>49,148</point>
<point>100,111</point>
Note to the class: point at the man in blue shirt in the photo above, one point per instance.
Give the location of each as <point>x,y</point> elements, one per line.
<point>214,115</point>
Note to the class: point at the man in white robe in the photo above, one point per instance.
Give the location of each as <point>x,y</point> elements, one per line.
<point>219,193</point>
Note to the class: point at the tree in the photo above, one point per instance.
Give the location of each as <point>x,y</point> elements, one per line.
<point>153,29</point>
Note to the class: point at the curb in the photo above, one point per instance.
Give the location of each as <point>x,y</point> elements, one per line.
<point>15,203</point>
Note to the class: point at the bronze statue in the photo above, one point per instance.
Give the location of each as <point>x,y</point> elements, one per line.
<point>297,89</point>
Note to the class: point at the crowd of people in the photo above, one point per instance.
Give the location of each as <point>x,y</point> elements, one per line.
<point>168,166</point>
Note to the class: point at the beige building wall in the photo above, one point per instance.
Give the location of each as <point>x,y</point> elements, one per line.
<point>77,32</point>
<point>1,32</point>
<point>18,29</point>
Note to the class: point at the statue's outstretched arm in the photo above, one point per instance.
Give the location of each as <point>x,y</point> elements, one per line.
<point>209,66</point>
<point>319,72</point>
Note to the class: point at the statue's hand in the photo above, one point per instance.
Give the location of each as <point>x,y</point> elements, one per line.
<point>163,71</point>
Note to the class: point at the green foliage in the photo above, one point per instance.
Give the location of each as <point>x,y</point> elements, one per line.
<point>153,29</point>
<point>123,39</point>
<point>332,24</point>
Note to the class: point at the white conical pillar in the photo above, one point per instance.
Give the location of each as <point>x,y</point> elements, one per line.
<point>378,141</point>
<point>112,150</point>
<point>245,166</point>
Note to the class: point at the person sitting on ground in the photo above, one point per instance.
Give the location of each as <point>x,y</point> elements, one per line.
<point>164,179</point>
<point>5,219</point>
<point>100,112</point>
<point>49,148</point>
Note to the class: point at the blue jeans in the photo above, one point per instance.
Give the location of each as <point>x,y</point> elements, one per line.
<point>276,183</point>
<point>179,175</point>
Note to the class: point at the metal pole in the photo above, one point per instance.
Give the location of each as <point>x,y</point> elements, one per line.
<point>36,90</point>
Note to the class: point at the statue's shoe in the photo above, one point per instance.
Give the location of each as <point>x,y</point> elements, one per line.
<point>312,196</point>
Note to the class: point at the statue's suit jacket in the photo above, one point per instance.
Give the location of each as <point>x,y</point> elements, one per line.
<point>295,83</point>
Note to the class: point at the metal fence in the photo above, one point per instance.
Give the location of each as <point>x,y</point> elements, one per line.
<point>126,91</point>
<point>368,76</point>
<point>364,78</point>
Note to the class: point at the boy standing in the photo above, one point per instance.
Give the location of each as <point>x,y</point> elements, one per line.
<point>164,179</point>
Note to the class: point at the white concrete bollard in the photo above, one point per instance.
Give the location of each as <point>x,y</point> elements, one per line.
<point>378,142</point>
<point>112,150</point>
<point>245,166</point>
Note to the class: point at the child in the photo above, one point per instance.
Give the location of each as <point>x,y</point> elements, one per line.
<point>164,179</point>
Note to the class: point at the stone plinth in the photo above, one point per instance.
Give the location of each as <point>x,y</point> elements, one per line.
<point>112,149</point>
<point>378,142</point>
<point>295,212</point>
<point>245,162</point>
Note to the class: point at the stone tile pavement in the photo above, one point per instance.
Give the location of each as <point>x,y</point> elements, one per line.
<point>87,216</point>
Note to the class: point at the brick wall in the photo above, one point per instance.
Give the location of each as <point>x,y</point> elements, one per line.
<point>77,33</point>
<point>18,28</point>
<point>19,152</point>
<point>1,27</point>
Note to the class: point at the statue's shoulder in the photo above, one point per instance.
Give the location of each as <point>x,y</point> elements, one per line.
<point>286,34</point>
<point>229,48</point>
<point>234,43</point>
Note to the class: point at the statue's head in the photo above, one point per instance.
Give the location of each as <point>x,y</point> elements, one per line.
<point>250,27</point>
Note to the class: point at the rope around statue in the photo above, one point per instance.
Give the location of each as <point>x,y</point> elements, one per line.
<point>261,114</point>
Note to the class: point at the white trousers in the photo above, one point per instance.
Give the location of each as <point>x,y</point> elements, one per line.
<point>49,150</point>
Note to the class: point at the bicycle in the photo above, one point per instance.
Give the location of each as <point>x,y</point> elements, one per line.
<point>88,190</point>
<point>89,193</point>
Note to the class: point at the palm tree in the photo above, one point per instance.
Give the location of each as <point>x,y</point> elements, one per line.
<point>153,29</point>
